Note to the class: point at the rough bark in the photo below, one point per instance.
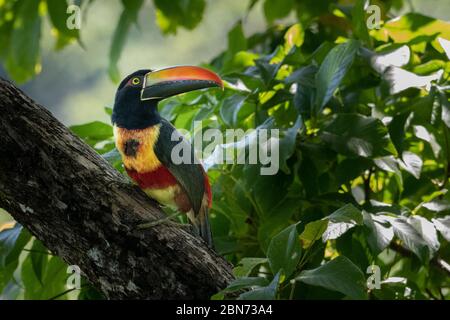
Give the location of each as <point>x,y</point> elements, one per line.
<point>86,212</point>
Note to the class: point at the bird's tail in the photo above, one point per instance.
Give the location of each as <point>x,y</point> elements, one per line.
<point>205,228</point>
<point>200,221</point>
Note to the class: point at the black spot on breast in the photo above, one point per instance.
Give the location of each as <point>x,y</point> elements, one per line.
<point>130,147</point>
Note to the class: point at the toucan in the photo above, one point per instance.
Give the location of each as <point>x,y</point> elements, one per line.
<point>145,141</point>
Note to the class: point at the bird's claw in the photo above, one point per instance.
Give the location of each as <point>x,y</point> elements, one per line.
<point>166,220</point>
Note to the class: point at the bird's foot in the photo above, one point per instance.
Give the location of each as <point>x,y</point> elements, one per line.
<point>167,220</point>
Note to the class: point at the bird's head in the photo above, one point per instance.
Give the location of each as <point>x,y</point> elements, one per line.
<point>137,97</point>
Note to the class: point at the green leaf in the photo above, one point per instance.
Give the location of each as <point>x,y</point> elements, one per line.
<point>348,213</point>
<point>352,245</point>
<point>340,274</point>
<point>313,232</point>
<point>114,158</point>
<point>93,132</point>
<point>412,163</point>
<point>411,239</point>
<point>393,288</point>
<point>341,221</point>
<point>246,266</point>
<point>443,226</point>
<point>12,242</point>
<point>426,230</point>
<point>39,258</point>
<point>127,18</point>
<point>23,61</point>
<point>437,205</point>
<point>236,39</point>
<point>351,168</point>
<point>268,70</point>
<point>359,22</point>
<point>8,239</point>
<point>390,164</point>
<point>108,111</point>
<point>294,37</point>
<point>284,251</point>
<point>265,293</point>
<point>412,25</point>
<point>445,44</point>
<point>268,66</point>
<point>357,135</point>
<point>57,11</point>
<point>87,292</point>
<point>380,232</point>
<point>333,70</point>
<point>178,13</point>
<point>288,143</point>
<point>230,109</point>
<point>277,9</point>
<point>397,129</point>
<point>277,211</point>
<point>428,67</point>
<point>445,104</point>
<point>246,282</point>
<point>53,281</point>
<point>423,133</point>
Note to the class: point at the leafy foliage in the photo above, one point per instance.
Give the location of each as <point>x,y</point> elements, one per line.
<point>364,150</point>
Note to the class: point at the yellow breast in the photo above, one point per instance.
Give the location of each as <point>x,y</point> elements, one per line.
<point>144,158</point>
<point>165,196</point>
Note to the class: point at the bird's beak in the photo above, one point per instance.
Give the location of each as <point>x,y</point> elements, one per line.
<point>164,83</point>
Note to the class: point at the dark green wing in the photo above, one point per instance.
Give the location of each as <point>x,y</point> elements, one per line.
<point>189,175</point>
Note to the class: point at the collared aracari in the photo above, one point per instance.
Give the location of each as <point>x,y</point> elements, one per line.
<point>145,141</point>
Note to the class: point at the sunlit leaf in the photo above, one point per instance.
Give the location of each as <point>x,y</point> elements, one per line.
<point>411,239</point>
<point>445,44</point>
<point>396,58</point>
<point>443,225</point>
<point>427,230</point>
<point>412,163</point>
<point>400,80</point>
<point>341,221</point>
<point>294,36</point>
<point>313,232</point>
<point>405,28</point>
<point>380,232</point>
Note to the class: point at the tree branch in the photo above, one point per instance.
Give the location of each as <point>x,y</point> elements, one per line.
<point>437,262</point>
<point>86,212</point>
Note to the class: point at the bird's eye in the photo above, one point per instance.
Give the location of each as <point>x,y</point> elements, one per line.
<point>136,81</point>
